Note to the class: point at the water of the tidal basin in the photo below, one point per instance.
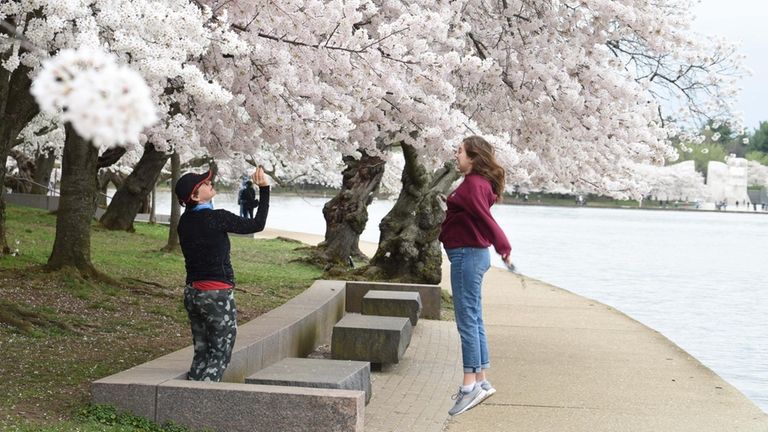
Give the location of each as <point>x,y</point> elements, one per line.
<point>700,278</point>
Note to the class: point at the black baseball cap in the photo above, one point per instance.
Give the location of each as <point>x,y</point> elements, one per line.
<point>188,184</point>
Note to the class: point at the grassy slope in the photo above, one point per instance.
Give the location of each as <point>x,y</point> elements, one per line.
<point>59,332</point>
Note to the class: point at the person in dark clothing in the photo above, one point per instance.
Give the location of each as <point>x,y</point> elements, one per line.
<point>243,213</point>
<point>247,200</point>
<point>467,232</point>
<point>209,292</point>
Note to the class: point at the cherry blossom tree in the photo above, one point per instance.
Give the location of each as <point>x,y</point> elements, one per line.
<point>102,104</point>
<point>678,181</point>
<point>571,95</point>
<point>157,38</point>
<point>581,92</point>
<point>347,79</point>
<point>585,91</point>
<point>17,107</point>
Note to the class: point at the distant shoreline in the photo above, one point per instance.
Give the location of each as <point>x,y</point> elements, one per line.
<point>553,202</point>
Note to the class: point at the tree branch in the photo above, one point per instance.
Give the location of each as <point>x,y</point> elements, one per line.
<point>111,156</point>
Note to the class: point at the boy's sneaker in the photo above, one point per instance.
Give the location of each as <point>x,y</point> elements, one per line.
<point>489,390</point>
<point>465,401</point>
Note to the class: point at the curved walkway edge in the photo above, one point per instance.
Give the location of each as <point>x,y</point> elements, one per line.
<point>559,362</point>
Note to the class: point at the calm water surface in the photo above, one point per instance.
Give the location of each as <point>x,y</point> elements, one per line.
<point>699,278</point>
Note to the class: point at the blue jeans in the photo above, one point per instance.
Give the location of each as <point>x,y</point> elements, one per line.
<point>468,265</point>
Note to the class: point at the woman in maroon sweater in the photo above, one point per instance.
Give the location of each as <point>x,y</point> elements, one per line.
<point>467,232</point>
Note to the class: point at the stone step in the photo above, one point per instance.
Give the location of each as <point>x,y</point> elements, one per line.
<point>393,303</point>
<point>377,339</point>
<point>317,373</point>
<point>430,296</point>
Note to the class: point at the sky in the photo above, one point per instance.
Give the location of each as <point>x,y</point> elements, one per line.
<point>744,22</point>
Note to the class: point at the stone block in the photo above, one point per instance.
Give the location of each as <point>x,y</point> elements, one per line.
<point>371,338</point>
<point>317,373</point>
<point>236,407</point>
<point>393,303</point>
<point>134,389</point>
<point>430,296</point>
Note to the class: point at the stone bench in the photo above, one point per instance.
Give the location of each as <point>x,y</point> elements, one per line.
<point>429,294</point>
<point>393,303</point>
<point>377,339</point>
<point>317,373</point>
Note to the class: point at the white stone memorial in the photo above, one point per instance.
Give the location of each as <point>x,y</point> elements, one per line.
<point>727,181</point>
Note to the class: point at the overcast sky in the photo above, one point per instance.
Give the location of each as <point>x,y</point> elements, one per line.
<point>745,22</point>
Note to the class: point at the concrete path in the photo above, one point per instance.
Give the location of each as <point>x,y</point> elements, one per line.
<point>561,363</point>
<point>415,394</point>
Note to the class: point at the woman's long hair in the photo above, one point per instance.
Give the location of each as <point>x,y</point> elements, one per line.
<point>484,163</point>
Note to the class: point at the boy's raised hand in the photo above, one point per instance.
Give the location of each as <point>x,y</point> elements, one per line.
<point>259,178</point>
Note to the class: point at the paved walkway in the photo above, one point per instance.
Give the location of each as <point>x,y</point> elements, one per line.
<point>415,394</point>
<point>560,363</point>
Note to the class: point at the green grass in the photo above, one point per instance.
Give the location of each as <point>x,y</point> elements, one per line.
<point>99,418</point>
<point>59,332</point>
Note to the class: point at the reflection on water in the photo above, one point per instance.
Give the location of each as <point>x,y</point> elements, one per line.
<point>699,278</point>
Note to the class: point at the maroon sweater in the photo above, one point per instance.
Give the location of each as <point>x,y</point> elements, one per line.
<point>468,220</point>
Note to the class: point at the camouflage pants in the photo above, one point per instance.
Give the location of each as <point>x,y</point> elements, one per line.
<point>213,318</point>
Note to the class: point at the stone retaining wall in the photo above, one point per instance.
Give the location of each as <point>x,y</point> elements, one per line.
<point>295,329</point>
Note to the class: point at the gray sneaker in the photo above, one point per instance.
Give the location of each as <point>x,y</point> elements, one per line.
<point>489,390</point>
<point>465,401</point>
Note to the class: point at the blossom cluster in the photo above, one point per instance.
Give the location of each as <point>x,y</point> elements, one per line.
<point>106,103</point>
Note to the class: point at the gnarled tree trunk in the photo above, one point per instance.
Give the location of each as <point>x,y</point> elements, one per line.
<point>133,194</point>
<point>173,234</point>
<point>347,213</point>
<point>72,246</point>
<point>409,250</point>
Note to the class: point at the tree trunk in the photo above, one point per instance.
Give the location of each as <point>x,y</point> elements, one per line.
<point>44,163</point>
<point>23,180</point>
<point>153,207</point>
<point>5,132</point>
<point>79,165</point>
<point>105,177</point>
<point>133,194</point>
<point>409,250</point>
<point>347,213</point>
<point>103,188</point>
<point>17,108</point>
<point>173,234</point>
